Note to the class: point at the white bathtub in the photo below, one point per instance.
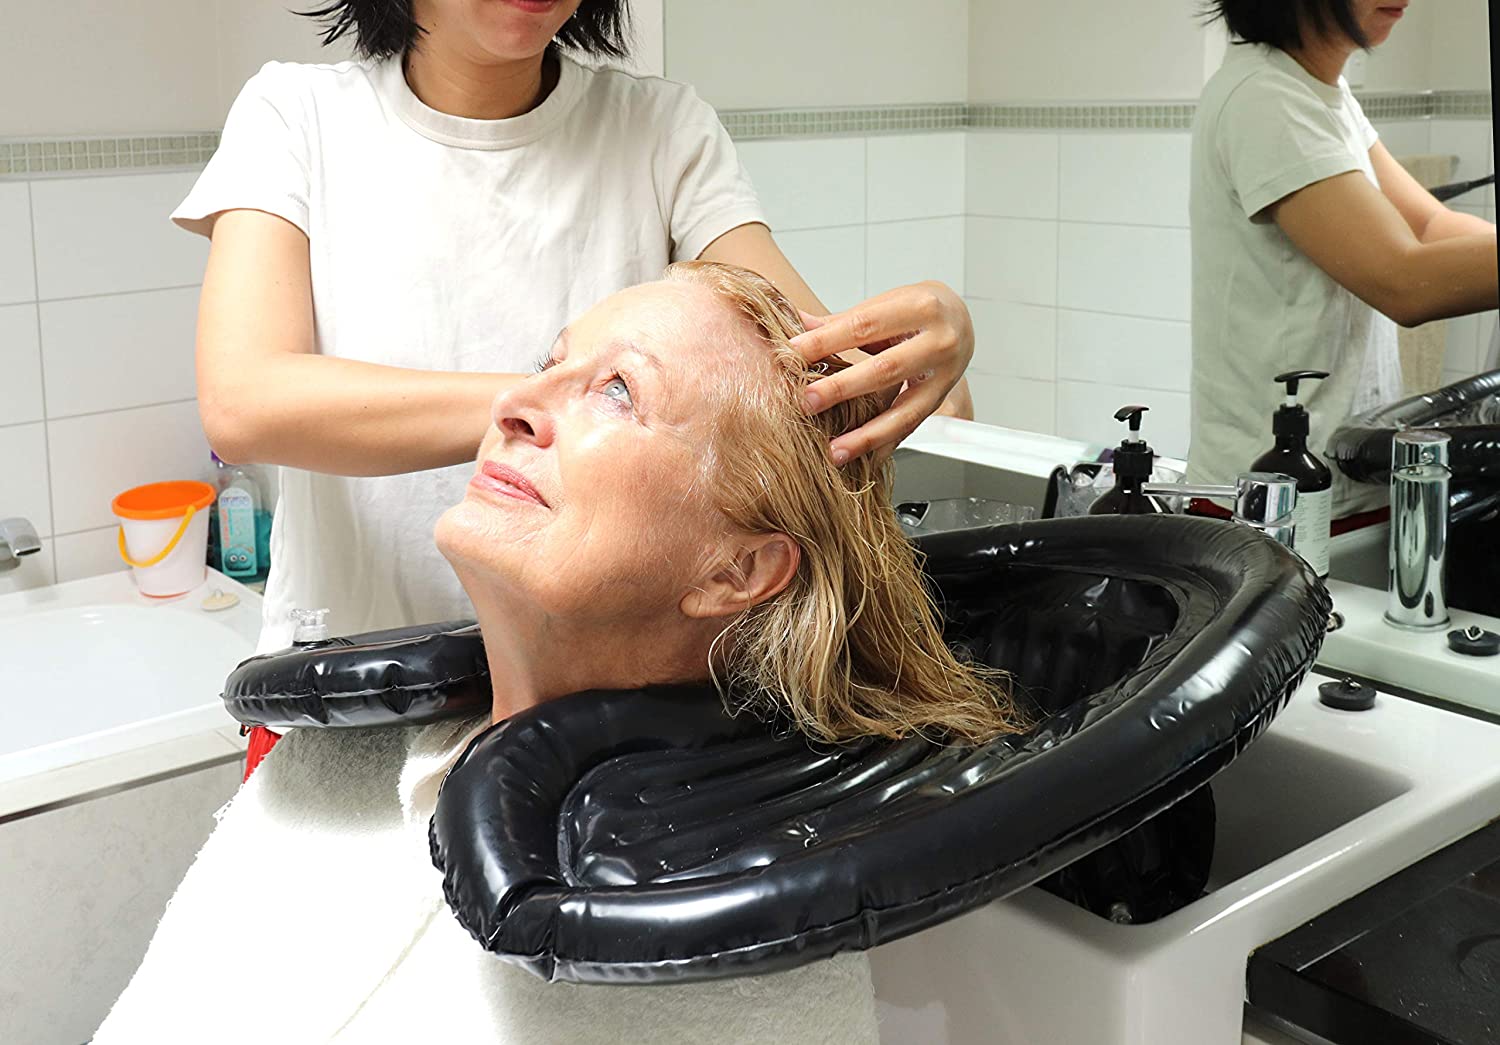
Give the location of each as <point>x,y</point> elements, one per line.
<point>115,752</point>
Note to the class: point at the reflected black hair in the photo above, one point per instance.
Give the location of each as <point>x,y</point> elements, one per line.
<point>384,28</point>
<point>1280,22</point>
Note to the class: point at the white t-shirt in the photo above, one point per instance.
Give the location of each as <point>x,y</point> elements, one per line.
<point>314,913</point>
<point>1265,128</point>
<point>444,243</point>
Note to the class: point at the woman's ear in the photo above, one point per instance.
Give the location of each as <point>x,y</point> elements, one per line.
<point>759,567</point>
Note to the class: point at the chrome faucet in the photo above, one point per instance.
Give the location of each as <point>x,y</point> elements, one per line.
<point>1419,530</point>
<point>17,539</point>
<point>1263,501</point>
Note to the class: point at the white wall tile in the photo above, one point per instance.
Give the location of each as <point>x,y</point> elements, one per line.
<point>1131,271</point>
<point>807,184</point>
<point>1014,340</point>
<point>122,350</point>
<point>832,261</point>
<point>34,571</point>
<point>1149,353</point>
<point>1086,410</point>
<point>1485,355</point>
<point>88,553</point>
<point>110,235</point>
<point>1011,259</point>
<point>100,455</point>
<point>20,365</point>
<point>914,176</point>
<point>1405,137</point>
<point>23,449</point>
<point>1469,140</point>
<point>17,274</point>
<point>1010,174</point>
<point>902,252</point>
<point>1013,402</point>
<point>1132,179</point>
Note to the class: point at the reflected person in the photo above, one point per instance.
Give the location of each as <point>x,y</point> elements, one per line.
<point>1309,239</point>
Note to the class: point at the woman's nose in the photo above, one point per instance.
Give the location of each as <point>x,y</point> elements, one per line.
<point>520,412</point>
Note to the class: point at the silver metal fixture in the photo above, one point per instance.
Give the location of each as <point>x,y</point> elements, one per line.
<point>1419,530</point>
<point>1263,501</point>
<point>17,539</point>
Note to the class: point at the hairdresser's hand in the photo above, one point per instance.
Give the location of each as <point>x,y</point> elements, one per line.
<point>919,340</point>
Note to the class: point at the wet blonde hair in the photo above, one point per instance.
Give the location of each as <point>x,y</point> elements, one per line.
<point>853,646</point>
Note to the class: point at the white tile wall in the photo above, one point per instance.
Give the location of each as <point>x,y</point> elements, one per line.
<point>1014,340</point>
<point>901,252</point>
<point>96,358</point>
<point>832,261</point>
<point>1130,271</point>
<point>20,364</point>
<point>1011,259</point>
<point>110,235</point>
<point>914,176</point>
<point>808,184</point>
<point>1124,350</point>
<point>1130,178</point>
<point>17,274</point>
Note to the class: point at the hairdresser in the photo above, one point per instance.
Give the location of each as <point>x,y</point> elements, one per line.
<point>1310,243</point>
<point>397,239</point>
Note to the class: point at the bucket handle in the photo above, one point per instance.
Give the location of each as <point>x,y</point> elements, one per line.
<point>141,564</point>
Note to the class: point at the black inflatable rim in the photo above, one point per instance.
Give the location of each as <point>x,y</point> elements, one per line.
<point>1147,741</point>
<point>429,672</point>
<point>1361,446</point>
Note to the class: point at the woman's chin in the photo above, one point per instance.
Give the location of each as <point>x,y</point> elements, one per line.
<point>470,534</point>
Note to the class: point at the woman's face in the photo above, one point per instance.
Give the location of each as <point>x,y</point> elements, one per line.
<point>587,498</point>
<point>505,30</point>
<point>1378,17</point>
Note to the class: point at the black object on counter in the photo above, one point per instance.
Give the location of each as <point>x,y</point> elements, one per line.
<point>1474,641</point>
<point>1347,695</point>
<point>1133,461</point>
<point>1413,960</point>
<point>1290,456</point>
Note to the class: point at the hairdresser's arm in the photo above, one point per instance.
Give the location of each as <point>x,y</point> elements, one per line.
<point>919,334</point>
<point>265,395</point>
<point>1355,234</point>
<point>1428,218</point>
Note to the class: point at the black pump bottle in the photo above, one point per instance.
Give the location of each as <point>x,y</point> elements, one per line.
<point>1290,456</point>
<point>1133,463</point>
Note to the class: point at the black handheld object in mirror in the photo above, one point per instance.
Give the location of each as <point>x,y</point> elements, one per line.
<point>1468,411</point>
<point>643,836</point>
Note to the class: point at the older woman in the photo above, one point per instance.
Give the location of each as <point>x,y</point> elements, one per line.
<point>653,506</point>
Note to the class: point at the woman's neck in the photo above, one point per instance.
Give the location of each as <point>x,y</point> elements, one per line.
<point>1322,57</point>
<point>454,85</point>
<point>534,659</point>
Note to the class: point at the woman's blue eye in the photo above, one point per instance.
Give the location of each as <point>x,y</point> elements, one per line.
<point>616,388</point>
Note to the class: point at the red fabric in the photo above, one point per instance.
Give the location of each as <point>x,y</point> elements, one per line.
<point>1360,521</point>
<point>1199,506</point>
<point>262,740</point>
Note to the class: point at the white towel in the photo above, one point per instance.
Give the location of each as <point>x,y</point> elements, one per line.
<point>329,837</point>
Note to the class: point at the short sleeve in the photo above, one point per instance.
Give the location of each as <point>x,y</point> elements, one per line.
<point>706,190</point>
<point>1367,132</point>
<point>1276,138</point>
<point>262,162</point>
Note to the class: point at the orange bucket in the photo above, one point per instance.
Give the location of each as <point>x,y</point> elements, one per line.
<point>164,535</point>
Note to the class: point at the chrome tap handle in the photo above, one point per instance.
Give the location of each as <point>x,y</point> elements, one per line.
<point>1263,500</point>
<point>1419,530</point>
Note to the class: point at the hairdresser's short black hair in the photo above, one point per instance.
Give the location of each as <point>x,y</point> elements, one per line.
<point>384,28</point>
<point>1280,22</point>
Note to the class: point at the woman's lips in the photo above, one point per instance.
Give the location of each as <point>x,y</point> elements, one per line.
<point>535,7</point>
<point>507,482</point>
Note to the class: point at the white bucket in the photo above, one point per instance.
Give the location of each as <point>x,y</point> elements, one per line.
<point>164,535</point>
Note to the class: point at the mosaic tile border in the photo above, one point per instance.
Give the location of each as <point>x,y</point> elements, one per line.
<point>70,155</point>
<point>43,156</point>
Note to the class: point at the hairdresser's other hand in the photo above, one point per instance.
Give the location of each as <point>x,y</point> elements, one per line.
<point>919,340</point>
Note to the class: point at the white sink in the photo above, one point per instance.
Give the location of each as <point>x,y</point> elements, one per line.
<point>1325,804</point>
<point>93,671</point>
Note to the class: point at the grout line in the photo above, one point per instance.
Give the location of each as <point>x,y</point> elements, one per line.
<point>117,293</point>
<point>122,409</point>
<point>41,357</point>
<point>1057,292</point>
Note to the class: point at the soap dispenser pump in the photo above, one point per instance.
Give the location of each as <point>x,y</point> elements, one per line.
<point>1290,456</point>
<point>1133,463</point>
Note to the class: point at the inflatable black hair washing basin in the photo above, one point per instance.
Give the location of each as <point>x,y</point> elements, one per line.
<point>1468,411</point>
<point>649,836</point>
